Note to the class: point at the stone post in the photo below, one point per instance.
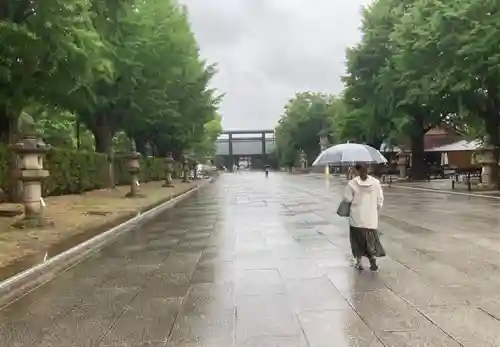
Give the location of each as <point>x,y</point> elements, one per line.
<point>487,160</point>
<point>185,170</point>
<point>133,167</point>
<point>169,167</point>
<point>402,161</point>
<point>30,172</point>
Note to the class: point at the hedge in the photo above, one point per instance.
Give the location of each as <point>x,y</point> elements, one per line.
<point>75,172</point>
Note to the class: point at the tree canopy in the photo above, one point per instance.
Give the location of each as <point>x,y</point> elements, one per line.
<point>421,63</point>
<point>305,116</point>
<point>113,67</point>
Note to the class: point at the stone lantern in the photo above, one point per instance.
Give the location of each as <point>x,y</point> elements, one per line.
<point>169,168</point>
<point>324,143</point>
<point>402,162</point>
<point>486,158</point>
<point>185,170</point>
<point>133,167</point>
<point>303,159</point>
<point>195,169</point>
<point>30,172</point>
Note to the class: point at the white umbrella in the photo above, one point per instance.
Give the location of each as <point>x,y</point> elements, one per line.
<point>349,154</point>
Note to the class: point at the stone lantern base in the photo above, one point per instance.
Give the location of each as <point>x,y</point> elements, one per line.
<point>134,187</point>
<point>33,222</point>
<point>10,210</point>
<point>402,171</point>
<point>134,193</point>
<point>169,169</point>
<point>486,159</point>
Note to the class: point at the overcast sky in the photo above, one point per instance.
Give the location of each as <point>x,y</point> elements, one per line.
<point>267,50</point>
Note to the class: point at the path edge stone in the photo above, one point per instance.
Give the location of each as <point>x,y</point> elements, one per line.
<point>24,282</point>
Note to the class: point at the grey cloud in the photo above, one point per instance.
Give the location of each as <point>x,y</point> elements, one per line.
<point>267,50</point>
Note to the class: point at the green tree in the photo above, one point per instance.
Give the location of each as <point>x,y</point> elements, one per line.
<point>459,43</point>
<point>49,49</point>
<point>379,93</point>
<point>158,94</point>
<point>205,147</point>
<point>305,116</point>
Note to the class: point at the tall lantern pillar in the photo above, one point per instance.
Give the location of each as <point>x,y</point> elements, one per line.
<point>324,143</point>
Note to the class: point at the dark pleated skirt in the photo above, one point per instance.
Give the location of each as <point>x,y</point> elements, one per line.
<point>365,243</point>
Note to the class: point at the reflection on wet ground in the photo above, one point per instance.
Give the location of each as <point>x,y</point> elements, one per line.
<point>262,262</point>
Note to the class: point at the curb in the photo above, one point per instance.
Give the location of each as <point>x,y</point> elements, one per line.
<point>22,283</point>
<point>445,192</point>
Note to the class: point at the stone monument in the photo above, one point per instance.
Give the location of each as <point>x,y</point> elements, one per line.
<point>30,171</point>
<point>133,167</point>
<point>169,168</point>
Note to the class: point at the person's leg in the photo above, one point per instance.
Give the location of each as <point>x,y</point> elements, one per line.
<point>373,264</point>
<point>355,248</point>
<point>372,250</point>
<point>359,263</point>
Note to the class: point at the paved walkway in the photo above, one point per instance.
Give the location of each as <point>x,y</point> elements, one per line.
<point>255,262</point>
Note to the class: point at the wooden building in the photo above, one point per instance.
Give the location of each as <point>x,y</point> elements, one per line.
<point>443,147</point>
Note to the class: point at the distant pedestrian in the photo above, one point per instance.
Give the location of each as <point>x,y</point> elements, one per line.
<point>365,195</point>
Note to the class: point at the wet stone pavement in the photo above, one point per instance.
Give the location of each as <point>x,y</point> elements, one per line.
<point>265,263</point>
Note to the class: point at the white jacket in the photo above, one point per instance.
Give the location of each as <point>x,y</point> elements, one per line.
<point>366,198</point>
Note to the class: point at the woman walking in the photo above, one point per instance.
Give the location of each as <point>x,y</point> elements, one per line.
<point>364,194</point>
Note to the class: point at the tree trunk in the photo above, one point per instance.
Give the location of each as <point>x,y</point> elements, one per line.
<point>376,143</point>
<point>141,146</point>
<point>418,165</point>
<point>4,126</point>
<point>8,136</point>
<point>154,150</point>
<point>177,154</point>
<point>103,138</point>
<point>492,125</point>
<point>162,152</point>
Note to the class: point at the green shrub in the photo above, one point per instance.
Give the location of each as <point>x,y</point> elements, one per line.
<point>120,170</point>
<point>75,172</point>
<point>152,169</point>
